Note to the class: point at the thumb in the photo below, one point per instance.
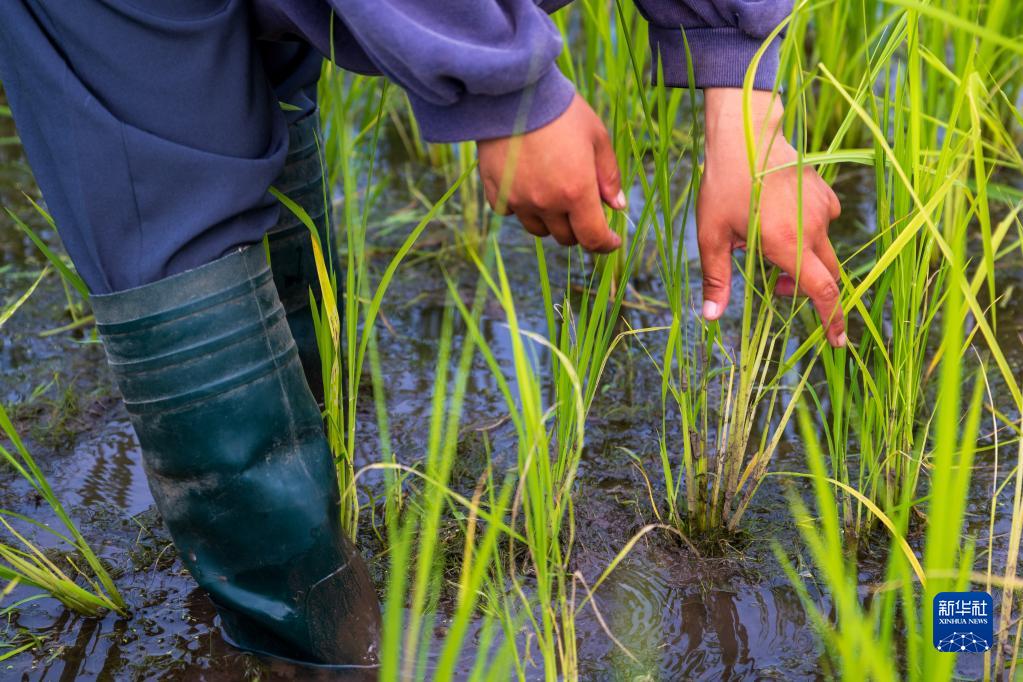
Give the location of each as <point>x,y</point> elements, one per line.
<point>716,261</point>
<point>609,178</point>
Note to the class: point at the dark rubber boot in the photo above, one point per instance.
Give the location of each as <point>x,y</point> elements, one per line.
<point>233,446</point>
<point>291,250</point>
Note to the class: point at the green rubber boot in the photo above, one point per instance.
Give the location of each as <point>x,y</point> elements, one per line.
<point>233,446</point>
<point>291,250</point>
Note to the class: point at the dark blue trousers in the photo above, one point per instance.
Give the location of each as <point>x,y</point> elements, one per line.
<point>153,126</point>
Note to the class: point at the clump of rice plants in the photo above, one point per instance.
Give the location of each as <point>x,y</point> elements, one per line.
<point>861,640</point>
<point>937,251</point>
<point>717,396</point>
<point>922,163</point>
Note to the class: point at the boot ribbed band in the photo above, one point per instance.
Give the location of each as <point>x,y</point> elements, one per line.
<point>156,332</point>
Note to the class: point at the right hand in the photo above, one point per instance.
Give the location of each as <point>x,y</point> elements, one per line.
<point>554,178</point>
<point>802,250</point>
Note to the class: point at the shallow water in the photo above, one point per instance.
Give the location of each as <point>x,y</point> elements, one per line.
<point>681,615</point>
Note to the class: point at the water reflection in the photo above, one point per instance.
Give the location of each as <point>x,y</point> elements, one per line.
<point>690,629</point>
<point>113,474</point>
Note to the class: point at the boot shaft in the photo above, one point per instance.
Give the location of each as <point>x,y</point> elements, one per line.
<point>233,446</point>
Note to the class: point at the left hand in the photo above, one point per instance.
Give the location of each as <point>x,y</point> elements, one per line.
<point>723,209</point>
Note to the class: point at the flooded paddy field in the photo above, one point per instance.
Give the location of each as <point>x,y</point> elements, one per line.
<point>887,468</point>
<point>728,612</point>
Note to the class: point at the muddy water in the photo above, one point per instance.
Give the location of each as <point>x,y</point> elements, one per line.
<point>682,616</point>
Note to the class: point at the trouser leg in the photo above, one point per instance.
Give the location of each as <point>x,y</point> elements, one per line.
<point>151,127</point>
<point>154,130</point>
<point>154,134</point>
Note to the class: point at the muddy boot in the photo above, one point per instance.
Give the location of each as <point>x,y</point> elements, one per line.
<point>233,446</point>
<point>291,251</point>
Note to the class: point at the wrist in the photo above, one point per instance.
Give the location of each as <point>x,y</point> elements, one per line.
<point>723,114</point>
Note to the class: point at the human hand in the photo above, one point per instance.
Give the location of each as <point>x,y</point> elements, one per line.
<point>723,210</point>
<point>554,178</point>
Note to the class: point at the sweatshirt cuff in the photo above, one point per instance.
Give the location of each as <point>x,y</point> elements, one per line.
<point>482,117</point>
<point>720,57</point>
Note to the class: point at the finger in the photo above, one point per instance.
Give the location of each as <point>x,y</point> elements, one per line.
<point>609,177</point>
<point>826,253</point>
<point>491,192</point>
<point>785,286</point>
<point>716,262</point>
<point>820,287</point>
<point>557,225</point>
<point>589,225</point>
<point>834,205</point>
<point>533,225</point>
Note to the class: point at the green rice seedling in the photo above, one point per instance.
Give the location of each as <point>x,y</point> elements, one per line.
<point>855,651</point>
<point>75,292</point>
<point>550,440</point>
<point>414,582</point>
<point>862,639</point>
<point>581,333</point>
<point>888,368</point>
<point>9,309</point>
<point>346,334</point>
<point>474,210</point>
<point>24,561</point>
<point>546,468</point>
<point>721,396</point>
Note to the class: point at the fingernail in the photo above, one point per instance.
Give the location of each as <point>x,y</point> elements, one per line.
<point>711,310</point>
<point>841,340</point>
<point>620,200</point>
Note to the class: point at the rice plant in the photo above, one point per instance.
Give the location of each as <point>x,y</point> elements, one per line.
<point>87,589</point>
<point>718,394</point>
<point>936,256</point>
<point>919,168</point>
<point>410,649</point>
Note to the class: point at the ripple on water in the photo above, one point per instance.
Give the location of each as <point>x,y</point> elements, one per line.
<point>697,627</point>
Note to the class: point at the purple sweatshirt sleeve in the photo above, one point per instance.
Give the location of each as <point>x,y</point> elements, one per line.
<point>478,69</point>
<point>723,35</point>
<point>473,69</point>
